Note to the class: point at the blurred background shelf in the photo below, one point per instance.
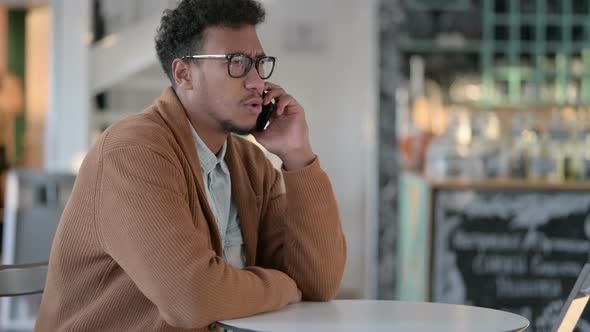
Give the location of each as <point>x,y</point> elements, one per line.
<point>519,49</point>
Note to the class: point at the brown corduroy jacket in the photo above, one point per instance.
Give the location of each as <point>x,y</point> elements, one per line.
<point>137,247</point>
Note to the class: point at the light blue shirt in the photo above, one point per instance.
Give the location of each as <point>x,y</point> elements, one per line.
<point>217,182</point>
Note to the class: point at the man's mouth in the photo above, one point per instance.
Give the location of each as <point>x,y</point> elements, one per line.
<point>255,108</point>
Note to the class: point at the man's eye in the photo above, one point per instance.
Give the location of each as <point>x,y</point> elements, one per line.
<point>239,61</point>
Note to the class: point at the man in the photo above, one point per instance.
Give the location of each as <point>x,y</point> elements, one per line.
<point>174,223</point>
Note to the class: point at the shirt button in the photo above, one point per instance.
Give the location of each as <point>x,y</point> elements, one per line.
<point>212,327</point>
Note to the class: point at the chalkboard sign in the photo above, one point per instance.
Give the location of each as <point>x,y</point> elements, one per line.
<point>511,250</point>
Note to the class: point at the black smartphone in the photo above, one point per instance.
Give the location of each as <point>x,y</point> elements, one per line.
<point>265,115</point>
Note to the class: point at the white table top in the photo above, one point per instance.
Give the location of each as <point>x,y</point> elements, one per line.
<point>353,315</point>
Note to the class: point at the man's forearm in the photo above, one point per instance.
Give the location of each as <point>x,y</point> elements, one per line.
<point>174,266</point>
<point>314,252</point>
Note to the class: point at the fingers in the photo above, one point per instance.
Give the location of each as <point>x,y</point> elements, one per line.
<point>283,102</point>
<point>271,86</point>
<point>273,91</point>
<point>282,99</point>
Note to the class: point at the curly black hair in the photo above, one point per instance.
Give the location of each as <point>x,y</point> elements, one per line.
<point>181,29</point>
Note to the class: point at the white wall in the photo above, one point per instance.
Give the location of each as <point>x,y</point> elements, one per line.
<point>327,54</point>
<point>69,113</point>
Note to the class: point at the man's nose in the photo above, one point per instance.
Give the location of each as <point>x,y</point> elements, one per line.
<point>254,82</point>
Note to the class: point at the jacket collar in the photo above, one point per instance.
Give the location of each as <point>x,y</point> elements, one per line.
<point>174,114</point>
<point>244,198</point>
<point>207,159</point>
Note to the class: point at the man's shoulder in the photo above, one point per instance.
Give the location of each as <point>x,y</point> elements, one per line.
<point>144,129</point>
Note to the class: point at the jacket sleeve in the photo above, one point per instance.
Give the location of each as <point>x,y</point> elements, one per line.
<point>301,234</point>
<point>145,225</point>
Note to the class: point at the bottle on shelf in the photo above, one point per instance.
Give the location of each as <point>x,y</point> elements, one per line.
<point>451,155</point>
<point>573,149</point>
<point>584,142</point>
<point>548,156</point>
<point>522,138</point>
<point>487,145</point>
<point>540,164</point>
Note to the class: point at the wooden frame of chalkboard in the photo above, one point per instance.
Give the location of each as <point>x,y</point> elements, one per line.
<point>513,246</point>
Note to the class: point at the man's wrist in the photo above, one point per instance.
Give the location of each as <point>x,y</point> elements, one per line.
<point>296,160</point>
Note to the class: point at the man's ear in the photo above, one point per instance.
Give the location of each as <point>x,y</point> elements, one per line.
<point>181,71</point>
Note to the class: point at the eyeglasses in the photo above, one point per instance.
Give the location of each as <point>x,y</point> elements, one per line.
<point>239,65</point>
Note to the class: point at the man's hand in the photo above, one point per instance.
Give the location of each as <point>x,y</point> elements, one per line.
<point>297,297</point>
<point>287,135</point>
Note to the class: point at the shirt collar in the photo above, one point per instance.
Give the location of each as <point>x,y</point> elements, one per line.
<point>207,158</point>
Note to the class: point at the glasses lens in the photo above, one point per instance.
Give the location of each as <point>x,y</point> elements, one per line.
<point>265,67</point>
<point>239,65</point>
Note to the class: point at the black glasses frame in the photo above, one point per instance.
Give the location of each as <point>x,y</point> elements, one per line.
<point>256,61</point>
